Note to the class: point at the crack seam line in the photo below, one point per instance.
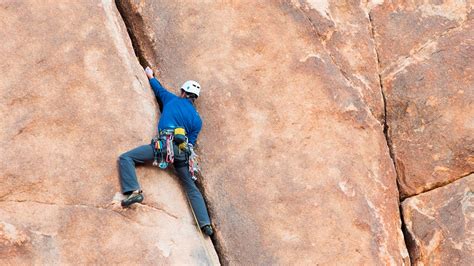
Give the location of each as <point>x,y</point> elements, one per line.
<point>313,28</point>
<point>388,141</point>
<point>103,208</point>
<point>56,204</point>
<point>384,100</point>
<point>141,50</point>
<point>349,82</point>
<point>399,64</point>
<point>83,206</point>
<point>396,68</point>
<point>160,210</point>
<point>439,185</point>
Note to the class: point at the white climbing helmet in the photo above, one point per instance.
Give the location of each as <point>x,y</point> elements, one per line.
<point>191,86</point>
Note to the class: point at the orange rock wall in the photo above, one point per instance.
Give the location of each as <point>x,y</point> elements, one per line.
<point>72,99</point>
<point>311,111</point>
<point>426,54</point>
<point>295,164</point>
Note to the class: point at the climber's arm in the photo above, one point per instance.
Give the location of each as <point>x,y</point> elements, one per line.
<point>160,92</point>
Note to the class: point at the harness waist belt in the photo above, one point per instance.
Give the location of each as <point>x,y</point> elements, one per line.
<point>167,131</point>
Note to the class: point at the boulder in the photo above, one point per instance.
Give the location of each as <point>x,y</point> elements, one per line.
<point>72,99</point>
<point>440,224</point>
<point>296,168</point>
<point>426,53</point>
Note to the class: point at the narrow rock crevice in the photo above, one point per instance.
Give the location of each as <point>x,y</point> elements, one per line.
<point>142,47</point>
<point>406,236</point>
<point>438,185</point>
<point>403,62</point>
<point>221,252</point>
<point>146,56</point>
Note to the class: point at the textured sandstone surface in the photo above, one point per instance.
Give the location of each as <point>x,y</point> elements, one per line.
<point>295,164</point>
<point>72,98</point>
<point>427,52</point>
<point>441,224</point>
<point>296,168</point>
<point>344,30</point>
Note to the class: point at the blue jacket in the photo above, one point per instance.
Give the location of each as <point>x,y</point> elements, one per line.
<point>177,112</point>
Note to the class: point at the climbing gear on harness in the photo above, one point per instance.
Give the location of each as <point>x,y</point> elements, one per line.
<point>180,136</point>
<point>157,144</point>
<point>193,163</point>
<point>191,86</point>
<point>135,197</point>
<point>169,149</point>
<point>164,150</point>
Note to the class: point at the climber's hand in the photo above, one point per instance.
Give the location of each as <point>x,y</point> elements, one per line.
<point>149,72</point>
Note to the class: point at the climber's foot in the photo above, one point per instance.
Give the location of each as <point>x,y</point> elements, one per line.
<point>135,197</point>
<point>207,230</point>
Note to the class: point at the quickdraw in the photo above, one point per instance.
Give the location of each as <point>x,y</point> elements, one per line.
<point>158,154</point>
<point>156,150</point>
<point>191,169</point>
<point>169,149</point>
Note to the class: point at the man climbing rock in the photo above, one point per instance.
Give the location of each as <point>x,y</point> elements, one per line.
<point>178,130</point>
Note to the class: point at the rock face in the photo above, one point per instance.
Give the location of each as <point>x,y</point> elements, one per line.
<point>295,164</point>
<point>440,223</point>
<point>426,53</point>
<point>344,30</point>
<point>297,96</point>
<point>72,99</point>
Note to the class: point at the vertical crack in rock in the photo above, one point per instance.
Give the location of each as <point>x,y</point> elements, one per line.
<point>221,253</point>
<point>135,27</point>
<point>146,56</point>
<point>406,236</point>
<point>416,55</point>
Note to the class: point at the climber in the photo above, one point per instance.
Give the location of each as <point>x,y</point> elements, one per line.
<point>179,120</point>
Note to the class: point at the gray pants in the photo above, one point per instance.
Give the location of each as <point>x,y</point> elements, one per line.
<point>144,154</point>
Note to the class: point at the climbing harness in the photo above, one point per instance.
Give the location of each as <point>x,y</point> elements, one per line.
<point>164,149</point>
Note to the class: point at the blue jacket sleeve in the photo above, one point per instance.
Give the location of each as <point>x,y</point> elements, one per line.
<point>192,136</point>
<point>160,92</point>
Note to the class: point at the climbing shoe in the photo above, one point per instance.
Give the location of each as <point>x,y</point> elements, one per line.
<point>207,230</point>
<point>135,197</point>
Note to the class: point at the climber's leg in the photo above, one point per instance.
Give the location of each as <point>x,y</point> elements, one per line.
<point>127,161</point>
<point>194,195</point>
